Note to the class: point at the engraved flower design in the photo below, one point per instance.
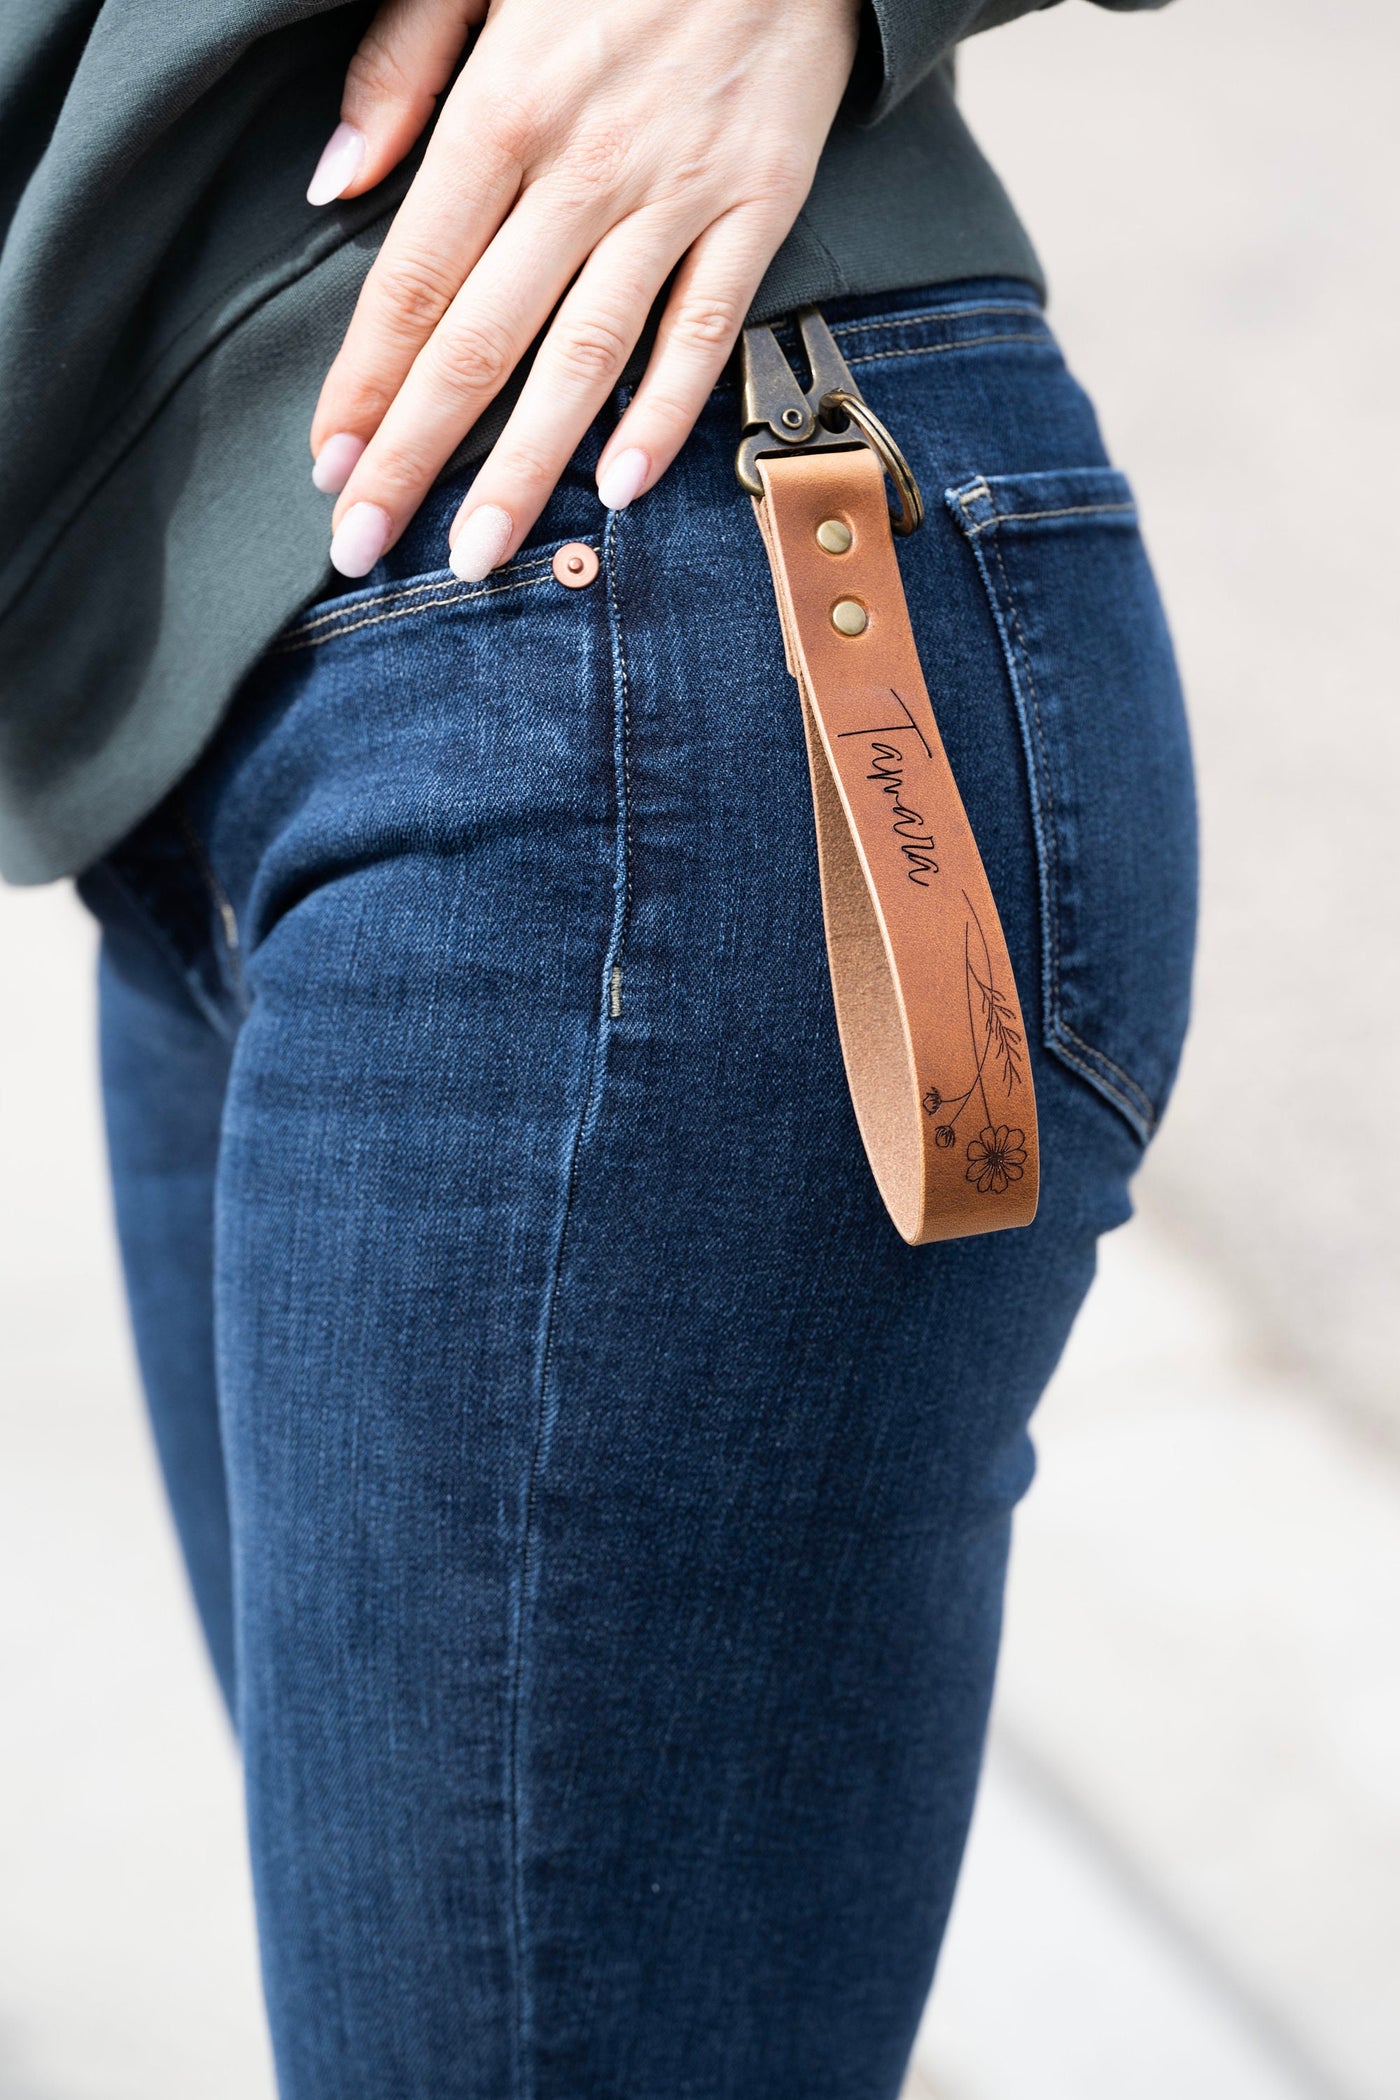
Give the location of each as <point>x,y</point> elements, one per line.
<point>944,1135</point>
<point>933,1101</point>
<point>996,1158</point>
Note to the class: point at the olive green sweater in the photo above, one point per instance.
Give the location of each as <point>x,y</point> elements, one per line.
<point>169,304</point>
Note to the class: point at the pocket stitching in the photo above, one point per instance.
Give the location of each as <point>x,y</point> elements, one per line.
<point>1030,517</point>
<point>971,342</point>
<point>303,638</point>
<point>894,319</point>
<point>1130,1098</point>
<point>391,595</point>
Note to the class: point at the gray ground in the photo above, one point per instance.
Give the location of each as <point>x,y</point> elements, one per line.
<point>1185,1872</point>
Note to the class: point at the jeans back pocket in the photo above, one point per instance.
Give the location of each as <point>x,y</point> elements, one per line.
<point>1094,680</point>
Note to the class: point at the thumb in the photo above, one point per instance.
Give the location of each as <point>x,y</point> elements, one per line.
<point>404,61</point>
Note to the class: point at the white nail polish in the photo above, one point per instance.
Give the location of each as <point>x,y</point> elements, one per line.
<point>360,538</point>
<point>481,542</point>
<point>336,461</point>
<point>622,478</point>
<point>338,166</point>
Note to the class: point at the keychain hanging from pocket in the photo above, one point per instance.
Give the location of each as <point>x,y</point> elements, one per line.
<point>926,1004</point>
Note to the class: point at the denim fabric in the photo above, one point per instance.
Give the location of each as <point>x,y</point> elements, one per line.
<point>597,1513</point>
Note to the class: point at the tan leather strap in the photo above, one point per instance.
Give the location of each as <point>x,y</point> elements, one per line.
<point>930,1023</point>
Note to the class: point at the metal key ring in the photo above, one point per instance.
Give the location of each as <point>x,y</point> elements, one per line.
<point>911,503</point>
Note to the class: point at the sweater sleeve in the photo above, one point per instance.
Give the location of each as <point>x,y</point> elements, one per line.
<point>902,40</point>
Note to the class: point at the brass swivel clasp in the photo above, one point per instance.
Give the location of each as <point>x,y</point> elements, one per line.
<point>831,415</point>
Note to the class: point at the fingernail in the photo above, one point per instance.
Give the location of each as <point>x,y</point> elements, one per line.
<point>622,478</point>
<point>338,166</point>
<point>335,462</point>
<point>481,542</point>
<point>360,539</point>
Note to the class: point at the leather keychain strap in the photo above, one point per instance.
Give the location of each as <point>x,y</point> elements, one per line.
<point>926,1004</point>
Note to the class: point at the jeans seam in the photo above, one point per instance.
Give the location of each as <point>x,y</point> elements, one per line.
<point>1042,794</point>
<point>1055,1019</point>
<point>1124,1090</point>
<point>1032,517</point>
<point>970,342</point>
<point>415,587</point>
<point>1091,1065</point>
<point>939,313</point>
<point>524,2082</point>
<point>302,638</point>
<point>623,761</point>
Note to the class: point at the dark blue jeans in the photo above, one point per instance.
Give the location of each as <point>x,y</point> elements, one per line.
<point>598,1515</point>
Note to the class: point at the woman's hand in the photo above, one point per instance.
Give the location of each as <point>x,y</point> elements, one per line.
<point>586,148</point>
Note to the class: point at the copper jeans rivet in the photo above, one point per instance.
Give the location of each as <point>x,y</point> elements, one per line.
<point>575,565</point>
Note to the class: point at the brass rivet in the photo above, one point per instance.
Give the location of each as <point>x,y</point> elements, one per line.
<point>833,536</point>
<point>848,616</point>
<point>792,419</point>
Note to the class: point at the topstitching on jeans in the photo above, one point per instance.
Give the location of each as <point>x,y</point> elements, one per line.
<point>591,1092</point>
<point>861,322</point>
<point>388,605</point>
<point>967,342</point>
<point>1122,1088</point>
<point>935,316</point>
<point>623,763</point>
<point>1060,1025</point>
<point>1034,517</point>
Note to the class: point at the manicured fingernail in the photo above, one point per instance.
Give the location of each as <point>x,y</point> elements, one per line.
<point>338,165</point>
<point>335,462</point>
<point>622,478</point>
<point>360,539</point>
<point>481,542</point>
